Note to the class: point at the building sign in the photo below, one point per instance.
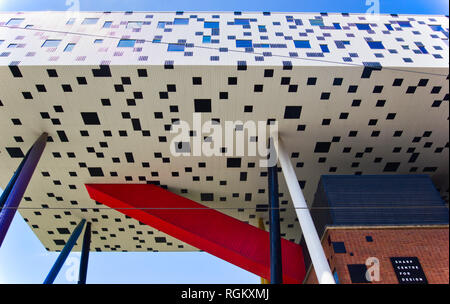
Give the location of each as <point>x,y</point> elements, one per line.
<point>408,270</point>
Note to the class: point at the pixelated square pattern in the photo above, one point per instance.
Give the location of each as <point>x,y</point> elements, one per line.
<point>109,109</point>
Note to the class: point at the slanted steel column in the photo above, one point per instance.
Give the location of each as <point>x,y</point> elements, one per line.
<point>64,253</point>
<point>315,249</point>
<point>20,182</point>
<point>12,181</point>
<point>85,255</point>
<point>276,268</point>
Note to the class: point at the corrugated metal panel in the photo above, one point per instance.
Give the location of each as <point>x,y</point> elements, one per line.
<point>380,200</point>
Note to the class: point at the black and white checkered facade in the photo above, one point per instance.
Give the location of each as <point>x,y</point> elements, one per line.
<point>352,94</point>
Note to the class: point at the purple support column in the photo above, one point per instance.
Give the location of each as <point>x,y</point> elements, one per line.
<point>20,185</point>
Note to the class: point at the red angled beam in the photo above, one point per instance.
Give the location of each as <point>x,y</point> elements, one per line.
<point>204,228</point>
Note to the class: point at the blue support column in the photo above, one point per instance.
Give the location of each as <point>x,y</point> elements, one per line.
<point>85,255</point>
<point>64,253</point>
<point>12,181</point>
<point>276,272</point>
<point>19,184</point>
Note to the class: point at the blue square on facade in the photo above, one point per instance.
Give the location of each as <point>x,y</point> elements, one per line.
<point>241,21</point>
<point>339,247</point>
<point>363,26</point>
<point>15,21</point>
<point>126,43</point>
<point>51,43</point>
<point>324,48</point>
<point>404,23</point>
<point>375,45</point>
<point>181,21</point>
<point>244,43</point>
<point>174,47</point>
<point>302,44</point>
<point>369,238</point>
<point>437,28</point>
<point>90,21</point>
<point>316,22</point>
<point>209,24</point>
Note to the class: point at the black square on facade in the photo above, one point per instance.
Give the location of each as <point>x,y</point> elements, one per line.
<point>81,80</point>
<point>241,65</point>
<point>27,95</point>
<point>356,102</point>
<point>15,71</point>
<point>159,239</point>
<point>268,73</point>
<point>258,88</point>
<point>322,147</point>
<point>339,247</point>
<point>206,197</point>
<point>142,72</point>
<point>436,90</point>
<point>58,109</point>
<point>248,109</point>
<point>126,80</point>
<point>397,82</point>
<point>63,230</point>
<point>373,122</point>
<point>233,162</point>
<point>15,152</point>
<point>52,73</point>
<point>411,90</point>
<point>292,88</point>
<point>391,167</point>
<point>369,239</point>
<point>292,112</point>
<point>223,95</point>
<point>106,102</point>
<point>378,89</point>
<point>337,81</point>
<point>381,103</point>
<point>95,171</point>
<point>90,118</point>
<point>422,83</point>
<point>232,80</point>
<point>59,242</point>
<point>311,81</point>
<point>391,116</point>
<point>202,105</point>
<point>66,87</point>
<point>196,80</point>
<point>343,116</point>
<point>325,96</point>
<point>357,273</point>
<point>41,88</point>
<point>285,80</point>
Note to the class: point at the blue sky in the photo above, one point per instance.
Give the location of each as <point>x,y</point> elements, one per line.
<point>23,259</point>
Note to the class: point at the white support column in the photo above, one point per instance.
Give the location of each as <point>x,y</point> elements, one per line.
<point>314,246</point>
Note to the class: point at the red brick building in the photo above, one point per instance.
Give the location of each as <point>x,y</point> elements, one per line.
<point>349,248</point>
<point>382,229</point>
